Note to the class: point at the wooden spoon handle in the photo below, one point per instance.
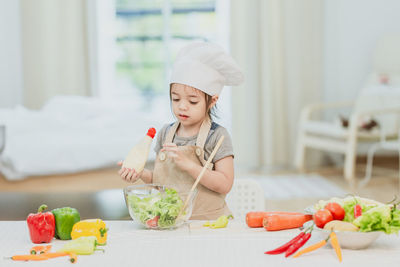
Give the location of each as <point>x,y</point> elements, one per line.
<point>203,170</point>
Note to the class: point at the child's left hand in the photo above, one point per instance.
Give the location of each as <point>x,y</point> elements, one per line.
<point>178,156</point>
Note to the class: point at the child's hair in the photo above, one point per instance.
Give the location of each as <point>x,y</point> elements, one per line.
<point>211,112</point>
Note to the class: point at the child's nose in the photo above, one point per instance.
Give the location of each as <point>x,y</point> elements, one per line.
<point>182,105</point>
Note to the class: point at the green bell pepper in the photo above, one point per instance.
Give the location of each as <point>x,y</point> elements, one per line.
<point>65,218</point>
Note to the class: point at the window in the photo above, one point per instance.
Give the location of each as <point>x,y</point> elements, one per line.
<point>147,36</point>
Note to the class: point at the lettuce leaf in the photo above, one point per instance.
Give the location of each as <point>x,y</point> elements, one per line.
<point>349,210</point>
<point>395,221</point>
<point>376,216</point>
<point>348,206</point>
<point>376,219</point>
<point>165,205</point>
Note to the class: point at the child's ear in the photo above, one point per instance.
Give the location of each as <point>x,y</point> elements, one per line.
<point>214,100</point>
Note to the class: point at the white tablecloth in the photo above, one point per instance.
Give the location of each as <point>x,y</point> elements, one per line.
<point>193,245</point>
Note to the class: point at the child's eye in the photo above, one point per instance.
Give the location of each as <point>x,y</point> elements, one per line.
<point>193,103</point>
<point>175,100</point>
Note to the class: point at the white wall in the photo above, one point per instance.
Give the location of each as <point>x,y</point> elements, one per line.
<point>10,54</point>
<point>352,28</point>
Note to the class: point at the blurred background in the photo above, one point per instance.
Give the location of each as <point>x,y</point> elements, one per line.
<point>82,80</point>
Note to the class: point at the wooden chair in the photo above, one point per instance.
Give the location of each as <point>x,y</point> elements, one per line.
<point>379,99</point>
<point>384,144</point>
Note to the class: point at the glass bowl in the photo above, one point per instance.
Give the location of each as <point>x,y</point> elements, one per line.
<point>157,206</point>
<point>347,239</point>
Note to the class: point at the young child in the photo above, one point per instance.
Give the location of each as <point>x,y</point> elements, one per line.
<point>200,72</point>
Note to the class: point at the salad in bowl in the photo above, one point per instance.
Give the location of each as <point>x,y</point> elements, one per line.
<point>158,206</point>
<point>357,221</point>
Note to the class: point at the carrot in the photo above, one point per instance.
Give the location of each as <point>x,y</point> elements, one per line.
<point>40,249</point>
<point>39,257</point>
<point>276,222</point>
<point>310,248</point>
<point>51,255</point>
<point>335,245</point>
<point>46,248</point>
<point>29,257</point>
<point>255,218</point>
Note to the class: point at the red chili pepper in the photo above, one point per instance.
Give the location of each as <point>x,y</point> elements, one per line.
<point>284,247</point>
<point>298,244</point>
<point>41,226</point>
<point>357,210</point>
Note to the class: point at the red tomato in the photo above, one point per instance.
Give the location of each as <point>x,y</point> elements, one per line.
<point>152,223</point>
<point>322,217</point>
<point>336,210</point>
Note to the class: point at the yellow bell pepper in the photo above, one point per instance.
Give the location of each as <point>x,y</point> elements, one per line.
<point>221,222</point>
<point>91,227</point>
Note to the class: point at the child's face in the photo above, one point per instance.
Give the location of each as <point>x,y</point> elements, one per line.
<point>188,104</point>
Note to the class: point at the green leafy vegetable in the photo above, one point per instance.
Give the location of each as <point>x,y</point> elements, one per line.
<point>376,219</point>
<point>381,218</point>
<point>348,204</point>
<point>395,222</point>
<point>375,216</point>
<point>165,205</point>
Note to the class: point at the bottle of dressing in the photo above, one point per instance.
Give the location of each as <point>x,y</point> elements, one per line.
<point>137,157</point>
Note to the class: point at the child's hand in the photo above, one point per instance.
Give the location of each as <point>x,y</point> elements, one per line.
<point>129,175</point>
<point>178,156</point>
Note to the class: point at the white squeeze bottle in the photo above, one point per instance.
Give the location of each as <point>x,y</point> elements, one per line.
<point>137,157</point>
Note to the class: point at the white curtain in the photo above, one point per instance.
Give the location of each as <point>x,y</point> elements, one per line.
<point>54,49</point>
<point>278,43</point>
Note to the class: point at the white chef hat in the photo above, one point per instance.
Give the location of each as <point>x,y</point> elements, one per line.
<point>207,67</point>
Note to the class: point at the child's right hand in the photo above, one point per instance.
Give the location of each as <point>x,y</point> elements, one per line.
<point>129,175</point>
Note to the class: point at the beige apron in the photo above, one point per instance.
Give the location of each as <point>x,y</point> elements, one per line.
<point>208,205</point>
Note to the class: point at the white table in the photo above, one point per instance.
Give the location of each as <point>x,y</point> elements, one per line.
<point>237,245</point>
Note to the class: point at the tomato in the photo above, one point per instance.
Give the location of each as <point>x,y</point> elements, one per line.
<point>152,223</point>
<point>336,210</point>
<point>322,217</point>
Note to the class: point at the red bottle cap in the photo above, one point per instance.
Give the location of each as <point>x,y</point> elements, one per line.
<point>151,132</point>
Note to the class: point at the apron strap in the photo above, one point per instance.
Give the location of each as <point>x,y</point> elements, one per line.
<point>200,141</point>
<point>171,133</point>
<point>203,133</point>
<point>201,137</point>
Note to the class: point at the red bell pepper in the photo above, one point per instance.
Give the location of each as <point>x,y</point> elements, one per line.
<point>41,226</point>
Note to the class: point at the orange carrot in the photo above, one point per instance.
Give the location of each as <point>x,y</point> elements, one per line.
<point>51,255</point>
<point>310,248</point>
<point>39,257</point>
<point>335,245</point>
<point>276,222</point>
<point>40,249</point>
<point>29,257</point>
<point>255,218</point>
